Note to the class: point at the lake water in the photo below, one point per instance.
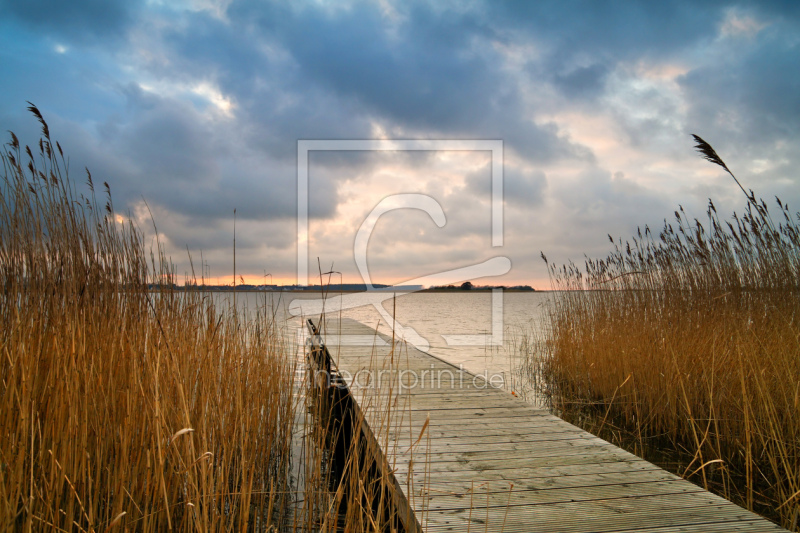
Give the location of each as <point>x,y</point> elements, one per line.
<point>479,331</point>
<point>482,332</point>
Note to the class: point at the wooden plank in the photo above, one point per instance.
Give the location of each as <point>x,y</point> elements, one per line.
<point>650,496</point>
<point>491,462</point>
<point>445,485</point>
<point>585,517</point>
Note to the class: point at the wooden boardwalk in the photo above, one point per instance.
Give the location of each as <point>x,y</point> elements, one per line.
<point>470,457</point>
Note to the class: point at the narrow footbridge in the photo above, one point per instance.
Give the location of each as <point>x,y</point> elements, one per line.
<point>466,456</point>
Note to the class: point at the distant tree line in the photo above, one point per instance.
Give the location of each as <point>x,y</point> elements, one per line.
<point>469,286</point>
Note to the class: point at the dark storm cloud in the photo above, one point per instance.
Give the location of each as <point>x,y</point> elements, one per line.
<point>583,82</point>
<point>331,73</point>
<point>760,86</point>
<point>778,9</point>
<point>521,187</point>
<point>746,105</point>
<point>278,101</point>
<point>584,210</point>
<point>618,31</point>
<point>81,21</point>
<point>524,187</point>
<point>435,72</point>
<point>423,79</point>
<point>169,155</point>
<point>170,143</point>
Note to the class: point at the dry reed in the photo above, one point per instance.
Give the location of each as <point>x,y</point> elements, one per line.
<point>685,348</point>
<point>124,403</point>
<point>127,404</point>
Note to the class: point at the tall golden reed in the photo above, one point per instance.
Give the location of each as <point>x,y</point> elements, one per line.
<point>689,342</point>
<point>124,404</point>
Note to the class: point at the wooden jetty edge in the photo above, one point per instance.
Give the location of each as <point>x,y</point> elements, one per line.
<point>466,456</point>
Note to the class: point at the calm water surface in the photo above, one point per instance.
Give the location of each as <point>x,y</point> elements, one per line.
<point>433,322</point>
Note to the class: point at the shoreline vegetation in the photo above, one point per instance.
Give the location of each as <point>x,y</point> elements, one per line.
<point>684,348</point>
<point>125,408</point>
<point>346,288</point>
<point>129,405</point>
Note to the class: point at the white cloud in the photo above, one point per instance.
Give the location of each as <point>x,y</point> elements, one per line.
<point>739,24</point>
<point>215,97</point>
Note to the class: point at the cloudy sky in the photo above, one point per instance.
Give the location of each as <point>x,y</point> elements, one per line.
<point>197,106</point>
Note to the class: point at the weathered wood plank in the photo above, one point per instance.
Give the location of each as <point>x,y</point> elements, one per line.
<point>488,461</point>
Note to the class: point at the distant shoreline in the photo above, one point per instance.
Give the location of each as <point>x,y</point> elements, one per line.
<point>209,288</point>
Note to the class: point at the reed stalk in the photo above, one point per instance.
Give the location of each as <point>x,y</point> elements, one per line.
<point>689,343</point>
<point>125,404</point>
